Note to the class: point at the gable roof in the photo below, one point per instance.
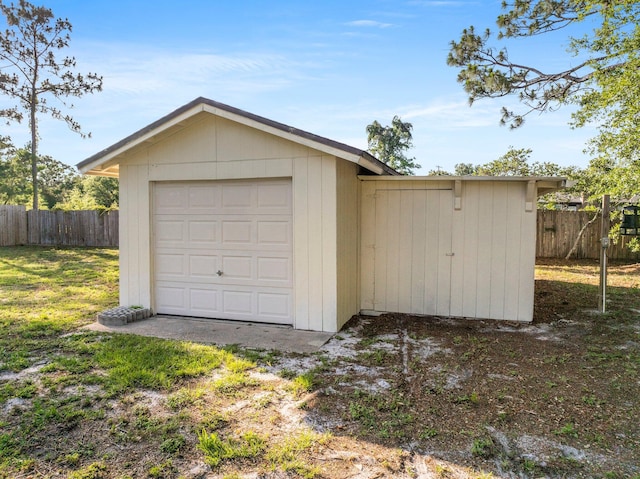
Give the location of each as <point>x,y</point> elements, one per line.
<point>106,162</point>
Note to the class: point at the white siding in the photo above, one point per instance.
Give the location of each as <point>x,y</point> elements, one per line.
<point>315,263</point>
<point>348,198</point>
<point>135,280</point>
<point>212,148</point>
<point>410,260</point>
<point>494,242</point>
<point>491,237</point>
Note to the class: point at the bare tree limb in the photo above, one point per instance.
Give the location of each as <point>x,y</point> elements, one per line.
<point>580,233</point>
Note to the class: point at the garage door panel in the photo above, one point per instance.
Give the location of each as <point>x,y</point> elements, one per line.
<point>204,301</point>
<point>240,229</point>
<point>171,298</point>
<point>170,232</point>
<point>238,302</point>
<point>274,305</point>
<point>238,268</point>
<point>203,267</point>
<point>239,196</point>
<point>186,231</point>
<point>274,232</point>
<point>236,232</point>
<point>169,198</point>
<point>203,198</point>
<point>203,233</point>
<point>272,268</point>
<point>274,198</point>
<point>171,265</point>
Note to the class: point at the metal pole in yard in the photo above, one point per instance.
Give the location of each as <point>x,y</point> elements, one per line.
<point>604,240</point>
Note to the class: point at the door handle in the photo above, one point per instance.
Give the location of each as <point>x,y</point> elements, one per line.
<point>219,273</point>
<point>450,254</point>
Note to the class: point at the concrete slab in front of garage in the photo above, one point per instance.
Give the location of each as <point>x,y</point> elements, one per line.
<point>221,333</point>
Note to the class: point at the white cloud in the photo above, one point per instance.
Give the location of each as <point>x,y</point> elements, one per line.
<point>368,24</point>
<point>143,70</point>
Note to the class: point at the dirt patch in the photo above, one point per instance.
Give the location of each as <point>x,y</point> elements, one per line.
<point>511,399</point>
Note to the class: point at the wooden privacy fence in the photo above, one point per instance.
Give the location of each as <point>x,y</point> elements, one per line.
<point>557,231</point>
<point>13,225</point>
<point>57,228</point>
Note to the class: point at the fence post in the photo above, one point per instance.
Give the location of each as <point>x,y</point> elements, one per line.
<point>604,240</point>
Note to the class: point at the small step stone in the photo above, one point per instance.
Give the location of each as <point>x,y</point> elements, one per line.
<point>123,315</point>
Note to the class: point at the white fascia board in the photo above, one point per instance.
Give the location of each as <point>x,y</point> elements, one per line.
<point>285,135</point>
<point>147,136</point>
<point>542,181</point>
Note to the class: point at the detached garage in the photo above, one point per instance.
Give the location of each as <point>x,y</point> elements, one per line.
<point>228,215</point>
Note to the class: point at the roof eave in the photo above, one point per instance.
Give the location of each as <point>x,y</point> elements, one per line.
<point>544,184</point>
<point>113,154</point>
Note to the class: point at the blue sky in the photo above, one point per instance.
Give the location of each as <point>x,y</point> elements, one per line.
<point>329,67</point>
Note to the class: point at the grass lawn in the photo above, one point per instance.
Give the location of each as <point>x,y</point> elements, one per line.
<point>395,396</point>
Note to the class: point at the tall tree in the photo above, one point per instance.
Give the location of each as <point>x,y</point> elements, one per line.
<point>57,179</point>
<point>389,144</point>
<point>14,190</point>
<point>91,193</point>
<point>31,74</point>
<point>603,80</point>
<point>465,169</point>
<point>515,162</point>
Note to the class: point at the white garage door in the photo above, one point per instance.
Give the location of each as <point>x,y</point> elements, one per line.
<point>224,250</point>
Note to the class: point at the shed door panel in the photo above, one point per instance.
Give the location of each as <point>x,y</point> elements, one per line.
<point>224,250</point>
<point>412,251</point>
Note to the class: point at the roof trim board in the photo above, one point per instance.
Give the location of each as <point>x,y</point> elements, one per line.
<point>102,163</point>
<point>545,184</point>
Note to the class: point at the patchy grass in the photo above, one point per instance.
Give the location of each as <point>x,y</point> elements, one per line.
<point>552,399</point>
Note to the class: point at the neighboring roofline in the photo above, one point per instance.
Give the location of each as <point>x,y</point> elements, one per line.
<point>361,157</point>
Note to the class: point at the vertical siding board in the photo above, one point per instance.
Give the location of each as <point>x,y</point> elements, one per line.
<point>458,231</point>
<point>348,223</point>
<point>316,224</point>
<point>471,250</point>
<point>380,259</point>
<point>485,241</point>
<point>515,210</point>
<point>143,230</point>
<point>329,244</point>
<point>125,233</point>
<point>443,265</point>
<point>498,250</point>
<point>392,240</point>
<point>405,243</point>
<point>431,245</point>
<point>418,253</point>
<point>367,244</point>
<point>301,242</point>
<point>527,268</point>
